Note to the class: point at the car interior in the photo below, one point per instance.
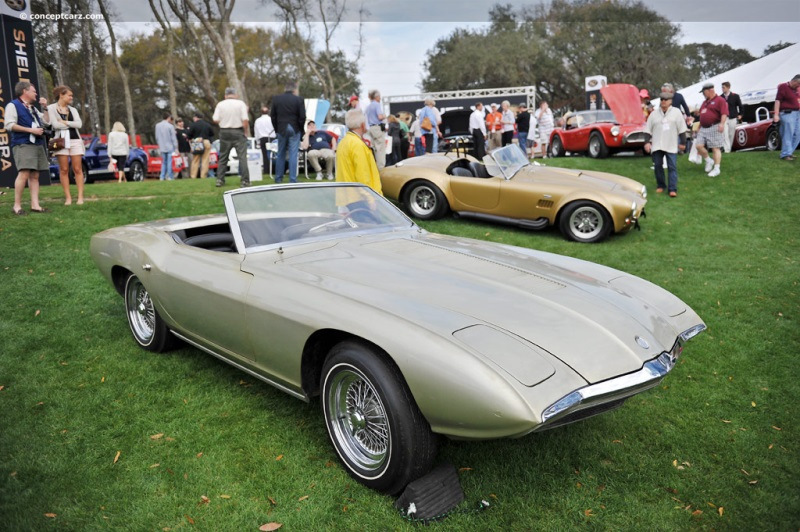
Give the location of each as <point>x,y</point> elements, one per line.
<point>465,168</point>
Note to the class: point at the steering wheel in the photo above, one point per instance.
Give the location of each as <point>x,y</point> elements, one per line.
<point>346,219</point>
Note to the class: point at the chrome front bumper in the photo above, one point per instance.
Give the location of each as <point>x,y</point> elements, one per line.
<point>602,396</point>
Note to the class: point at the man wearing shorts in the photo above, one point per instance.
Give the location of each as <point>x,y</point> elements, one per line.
<point>713,115</point>
<point>26,123</point>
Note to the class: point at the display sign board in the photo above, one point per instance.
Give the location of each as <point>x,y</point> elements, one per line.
<point>17,63</point>
<point>594,100</point>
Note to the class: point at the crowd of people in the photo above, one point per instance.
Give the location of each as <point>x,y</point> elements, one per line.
<point>705,133</point>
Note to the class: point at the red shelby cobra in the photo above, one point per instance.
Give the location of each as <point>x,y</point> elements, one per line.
<point>601,132</point>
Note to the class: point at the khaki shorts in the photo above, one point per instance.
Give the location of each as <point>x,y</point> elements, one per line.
<point>30,157</point>
<point>72,147</point>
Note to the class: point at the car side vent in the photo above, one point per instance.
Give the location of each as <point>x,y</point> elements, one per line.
<point>545,204</point>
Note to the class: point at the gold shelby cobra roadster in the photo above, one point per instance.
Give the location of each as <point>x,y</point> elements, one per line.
<point>328,290</point>
<point>506,188</point>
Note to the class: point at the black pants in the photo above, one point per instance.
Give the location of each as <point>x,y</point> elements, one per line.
<point>428,142</point>
<point>263,142</point>
<point>508,136</point>
<point>480,143</point>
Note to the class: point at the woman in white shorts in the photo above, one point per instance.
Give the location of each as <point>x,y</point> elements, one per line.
<point>66,122</point>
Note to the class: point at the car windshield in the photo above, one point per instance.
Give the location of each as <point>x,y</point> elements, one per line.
<point>505,161</point>
<point>275,215</point>
<point>606,116</point>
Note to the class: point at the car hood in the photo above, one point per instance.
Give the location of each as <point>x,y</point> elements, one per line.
<point>586,315</point>
<point>578,178</point>
<point>624,102</point>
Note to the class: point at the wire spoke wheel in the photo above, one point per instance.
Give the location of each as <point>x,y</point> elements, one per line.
<point>141,313</point>
<point>358,419</point>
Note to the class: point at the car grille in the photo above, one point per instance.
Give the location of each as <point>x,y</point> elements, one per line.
<point>635,137</point>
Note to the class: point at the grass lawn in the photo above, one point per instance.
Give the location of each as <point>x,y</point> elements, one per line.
<point>96,433</point>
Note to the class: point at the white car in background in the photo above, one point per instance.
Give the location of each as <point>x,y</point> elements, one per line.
<point>253,155</point>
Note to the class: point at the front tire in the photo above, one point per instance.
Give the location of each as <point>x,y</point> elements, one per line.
<point>585,221</point>
<point>136,171</point>
<point>597,146</point>
<point>557,147</point>
<point>773,139</point>
<point>425,201</point>
<point>147,326</point>
<point>373,422</point>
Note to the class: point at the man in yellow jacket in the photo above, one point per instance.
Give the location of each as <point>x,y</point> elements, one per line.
<point>355,162</point>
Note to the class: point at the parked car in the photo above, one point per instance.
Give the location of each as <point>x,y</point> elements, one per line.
<point>761,134</point>
<point>455,132</point>
<point>95,163</point>
<point>402,333</point>
<point>603,132</point>
<point>253,154</point>
<point>154,161</point>
<point>506,188</point>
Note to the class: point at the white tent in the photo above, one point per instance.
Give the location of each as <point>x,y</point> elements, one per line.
<point>754,82</point>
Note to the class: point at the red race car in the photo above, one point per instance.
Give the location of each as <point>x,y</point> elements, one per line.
<point>761,134</point>
<point>154,161</point>
<point>601,132</point>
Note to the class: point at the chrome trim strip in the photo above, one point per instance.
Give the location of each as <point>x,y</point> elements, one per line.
<point>250,372</point>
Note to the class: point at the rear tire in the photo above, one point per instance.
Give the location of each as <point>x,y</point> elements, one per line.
<point>373,422</point>
<point>147,326</point>
<point>557,147</point>
<point>136,171</point>
<point>585,221</point>
<point>425,201</point>
<point>773,139</point>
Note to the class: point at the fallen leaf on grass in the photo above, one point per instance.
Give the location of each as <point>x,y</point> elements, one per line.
<point>270,526</point>
<point>745,472</point>
<point>199,455</point>
<point>464,469</point>
<point>304,497</point>
<point>50,515</point>
<point>157,436</point>
<point>711,504</point>
<point>116,458</point>
<point>753,482</point>
<point>191,521</point>
<point>588,512</point>
<point>773,426</point>
<point>720,511</point>
<point>697,512</point>
<point>725,421</point>
<point>203,500</point>
<point>1,388</point>
<point>224,496</point>
<point>37,312</point>
<point>753,404</point>
<point>616,441</point>
<point>154,465</point>
<point>279,458</point>
<point>272,501</point>
<point>103,379</point>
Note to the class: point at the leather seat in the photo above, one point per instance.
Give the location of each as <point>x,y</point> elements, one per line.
<point>479,169</point>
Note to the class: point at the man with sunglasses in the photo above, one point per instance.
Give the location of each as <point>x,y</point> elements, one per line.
<point>667,129</point>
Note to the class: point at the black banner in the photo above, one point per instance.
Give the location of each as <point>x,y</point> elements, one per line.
<point>18,63</point>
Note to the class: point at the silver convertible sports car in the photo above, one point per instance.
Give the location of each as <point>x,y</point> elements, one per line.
<point>329,290</point>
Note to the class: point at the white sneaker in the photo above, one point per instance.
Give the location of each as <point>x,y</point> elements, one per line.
<point>330,177</point>
<point>709,164</point>
<point>714,172</point>
<point>319,176</point>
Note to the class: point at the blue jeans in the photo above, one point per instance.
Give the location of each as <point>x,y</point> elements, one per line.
<point>790,132</point>
<point>166,166</point>
<point>288,141</point>
<point>522,136</point>
<point>419,149</point>
<point>672,169</point>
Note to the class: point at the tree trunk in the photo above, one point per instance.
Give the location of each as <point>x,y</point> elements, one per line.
<point>88,76</point>
<point>123,76</point>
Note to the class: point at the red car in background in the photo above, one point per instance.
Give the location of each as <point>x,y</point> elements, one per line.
<point>602,132</point>
<point>154,161</point>
<point>761,134</point>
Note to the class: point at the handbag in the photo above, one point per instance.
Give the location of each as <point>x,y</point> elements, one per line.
<point>198,147</point>
<point>55,144</point>
<point>426,124</point>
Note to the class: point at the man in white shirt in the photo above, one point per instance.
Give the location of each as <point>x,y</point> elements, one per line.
<point>234,128</point>
<point>477,126</point>
<point>264,133</point>
<point>667,129</point>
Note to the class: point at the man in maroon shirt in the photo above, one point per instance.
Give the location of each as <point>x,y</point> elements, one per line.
<point>787,112</point>
<point>713,115</point>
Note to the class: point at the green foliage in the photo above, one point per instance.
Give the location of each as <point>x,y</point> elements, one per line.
<point>780,45</point>
<point>721,431</point>
<point>705,60</point>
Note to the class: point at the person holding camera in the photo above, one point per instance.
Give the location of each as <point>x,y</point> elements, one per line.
<point>26,126</point>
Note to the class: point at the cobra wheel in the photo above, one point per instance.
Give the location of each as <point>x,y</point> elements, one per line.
<point>557,147</point>
<point>585,221</point>
<point>425,201</point>
<point>136,171</point>
<point>773,139</point>
<point>373,422</point>
<point>147,327</point>
<point>597,146</point>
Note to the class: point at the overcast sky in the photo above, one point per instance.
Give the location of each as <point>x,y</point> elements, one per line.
<point>399,33</point>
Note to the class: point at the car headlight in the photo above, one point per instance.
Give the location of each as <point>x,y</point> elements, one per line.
<point>615,130</point>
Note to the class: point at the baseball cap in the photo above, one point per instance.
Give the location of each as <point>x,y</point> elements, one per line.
<point>353,98</point>
<point>644,94</point>
<point>707,86</point>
